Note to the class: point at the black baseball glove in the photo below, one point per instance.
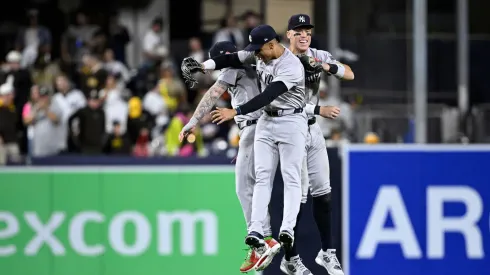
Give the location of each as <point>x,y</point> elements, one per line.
<point>312,66</point>
<point>188,67</point>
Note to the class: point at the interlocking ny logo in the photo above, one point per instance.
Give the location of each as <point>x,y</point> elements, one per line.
<point>302,19</point>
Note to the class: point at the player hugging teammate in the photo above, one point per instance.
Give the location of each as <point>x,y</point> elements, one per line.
<point>273,119</point>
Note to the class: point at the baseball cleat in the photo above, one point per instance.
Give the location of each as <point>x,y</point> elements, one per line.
<point>275,248</point>
<point>294,267</point>
<point>250,261</point>
<point>260,247</point>
<point>329,261</point>
<point>286,239</point>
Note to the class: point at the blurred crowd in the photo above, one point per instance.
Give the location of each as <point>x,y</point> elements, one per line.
<point>90,102</point>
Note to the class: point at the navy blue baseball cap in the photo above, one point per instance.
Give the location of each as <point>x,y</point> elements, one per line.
<point>259,36</point>
<point>222,47</point>
<point>300,21</point>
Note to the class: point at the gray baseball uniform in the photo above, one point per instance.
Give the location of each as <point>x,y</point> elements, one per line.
<point>317,162</point>
<point>243,87</point>
<point>279,137</point>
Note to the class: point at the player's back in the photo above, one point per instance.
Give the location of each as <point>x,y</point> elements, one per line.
<point>243,87</point>
<point>288,69</point>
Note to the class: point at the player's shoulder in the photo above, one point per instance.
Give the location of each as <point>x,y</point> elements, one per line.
<point>289,59</point>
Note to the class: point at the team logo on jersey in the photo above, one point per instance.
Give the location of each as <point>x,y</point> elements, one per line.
<point>265,77</point>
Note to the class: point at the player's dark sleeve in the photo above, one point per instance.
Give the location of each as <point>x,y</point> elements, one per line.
<point>226,61</point>
<point>274,90</point>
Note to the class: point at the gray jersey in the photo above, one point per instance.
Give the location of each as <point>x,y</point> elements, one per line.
<point>313,81</point>
<point>243,87</point>
<point>287,69</point>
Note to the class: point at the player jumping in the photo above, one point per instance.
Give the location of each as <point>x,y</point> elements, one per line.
<point>241,84</point>
<point>299,35</point>
<point>280,132</point>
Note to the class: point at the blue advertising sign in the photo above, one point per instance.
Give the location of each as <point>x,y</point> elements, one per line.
<point>416,209</point>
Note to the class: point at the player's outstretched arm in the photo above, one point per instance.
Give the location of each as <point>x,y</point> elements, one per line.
<point>205,105</point>
<point>333,67</point>
<point>339,70</point>
<point>274,90</point>
<point>229,60</point>
<point>331,112</point>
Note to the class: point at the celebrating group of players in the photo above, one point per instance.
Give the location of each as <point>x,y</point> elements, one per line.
<point>274,93</point>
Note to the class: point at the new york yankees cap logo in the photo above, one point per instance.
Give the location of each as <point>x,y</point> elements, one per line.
<point>300,21</point>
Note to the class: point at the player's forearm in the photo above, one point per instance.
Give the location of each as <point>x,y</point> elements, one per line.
<point>274,90</point>
<point>222,61</point>
<point>339,70</point>
<point>208,101</point>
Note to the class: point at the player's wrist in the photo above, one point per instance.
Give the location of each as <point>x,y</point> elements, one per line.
<point>316,111</point>
<point>238,111</point>
<point>337,69</point>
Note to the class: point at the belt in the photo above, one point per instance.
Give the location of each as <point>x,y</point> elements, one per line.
<point>284,112</point>
<point>246,123</point>
<point>311,121</point>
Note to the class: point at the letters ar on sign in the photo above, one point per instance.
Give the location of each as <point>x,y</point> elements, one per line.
<point>416,209</point>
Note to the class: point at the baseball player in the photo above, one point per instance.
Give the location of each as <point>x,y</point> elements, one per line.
<point>280,132</point>
<point>299,35</point>
<point>241,85</point>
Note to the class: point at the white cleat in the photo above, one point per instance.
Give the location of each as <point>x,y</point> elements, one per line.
<point>329,261</point>
<point>294,267</point>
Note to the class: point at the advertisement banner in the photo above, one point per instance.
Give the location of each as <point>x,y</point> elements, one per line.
<point>416,209</point>
<point>122,221</point>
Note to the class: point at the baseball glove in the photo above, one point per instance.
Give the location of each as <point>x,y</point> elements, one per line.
<point>312,65</point>
<point>188,67</point>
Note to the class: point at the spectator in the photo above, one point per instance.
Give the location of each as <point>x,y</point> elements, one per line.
<point>171,88</point>
<point>45,116</point>
<point>154,103</point>
<point>99,43</point>
<point>118,143</point>
<point>196,51</point>
<point>27,113</point>
<point>142,146</point>
<point>70,100</point>
<point>174,146</point>
<point>230,32</point>
<point>44,74</point>
<point>93,75</point>
<point>114,66</point>
<point>252,20</point>
<point>138,119</point>
<point>19,77</point>
<point>34,41</point>
<point>118,38</point>
<point>153,47</point>
<point>115,108</point>
<point>90,135</point>
<point>9,147</point>
<point>77,39</point>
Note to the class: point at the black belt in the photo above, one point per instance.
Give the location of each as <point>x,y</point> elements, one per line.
<point>311,121</point>
<point>277,113</point>
<point>244,124</point>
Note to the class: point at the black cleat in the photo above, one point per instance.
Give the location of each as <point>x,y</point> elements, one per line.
<point>286,239</point>
<point>255,240</point>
